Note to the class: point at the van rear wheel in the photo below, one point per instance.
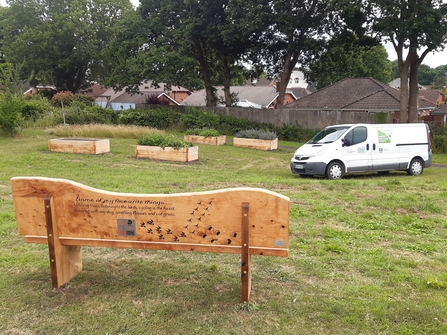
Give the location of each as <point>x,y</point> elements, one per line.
<point>416,167</point>
<point>334,170</point>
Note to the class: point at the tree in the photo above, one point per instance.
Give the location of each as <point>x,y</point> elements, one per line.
<point>347,56</point>
<point>426,75</point>
<point>60,42</point>
<point>417,27</point>
<point>440,77</point>
<point>187,43</point>
<point>288,27</point>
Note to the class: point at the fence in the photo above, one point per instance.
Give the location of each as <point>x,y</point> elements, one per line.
<point>307,119</point>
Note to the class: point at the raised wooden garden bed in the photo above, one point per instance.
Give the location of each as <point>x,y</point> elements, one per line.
<point>255,143</point>
<point>79,145</point>
<point>211,140</point>
<point>168,153</point>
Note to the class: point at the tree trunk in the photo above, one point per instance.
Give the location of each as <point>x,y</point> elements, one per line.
<point>227,79</point>
<point>403,74</point>
<point>281,86</point>
<point>403,118</point>
<point>416,62</point>
<point>413,103</point>
<point>209,89</point>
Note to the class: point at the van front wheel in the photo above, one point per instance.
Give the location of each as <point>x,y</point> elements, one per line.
<point>334,170</point>
<point>416,167</point>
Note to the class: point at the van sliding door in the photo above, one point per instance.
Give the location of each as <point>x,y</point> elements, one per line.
<point>385,154</point>
<point>356,150</point>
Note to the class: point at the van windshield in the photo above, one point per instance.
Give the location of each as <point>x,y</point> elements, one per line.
<point>328,135</point>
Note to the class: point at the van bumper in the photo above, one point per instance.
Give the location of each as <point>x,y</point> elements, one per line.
<point>308,168</point>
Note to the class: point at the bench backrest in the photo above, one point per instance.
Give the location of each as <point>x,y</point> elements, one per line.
<point>197,221</point>
<point>67,215</point>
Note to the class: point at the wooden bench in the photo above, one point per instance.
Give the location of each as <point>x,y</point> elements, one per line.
<point>67,215</point>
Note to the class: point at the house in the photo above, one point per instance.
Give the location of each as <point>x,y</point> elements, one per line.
<point>396,84</point>
<point>248,96</point>
<point>161,93</point>
<point>439,114</point>
<point>434,96</point>
<point>297,84</point>
<point>359,95</point>
<point>95,90</point>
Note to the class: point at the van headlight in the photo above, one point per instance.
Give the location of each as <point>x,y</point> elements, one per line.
<point>317,153</point>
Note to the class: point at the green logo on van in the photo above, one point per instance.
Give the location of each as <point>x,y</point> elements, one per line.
<point>384,138</point>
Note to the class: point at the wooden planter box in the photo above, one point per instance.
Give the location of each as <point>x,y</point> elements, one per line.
<point>211,140</point>
<point>79,145</point>
<point>167,154</point>
<point>255,143</point>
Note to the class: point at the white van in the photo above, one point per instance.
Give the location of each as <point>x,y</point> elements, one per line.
<point>348,148</point>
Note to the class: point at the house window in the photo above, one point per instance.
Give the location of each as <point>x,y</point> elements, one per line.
<point>297,80</point>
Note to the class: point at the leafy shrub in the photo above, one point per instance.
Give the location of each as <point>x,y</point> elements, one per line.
<point>35,108</point>
<point>439,144</point>
<point>257,134</point>
<point>11,118</point>
<point>79,113</point>
<point>101,131</point>
<point>295,133</point>
<point>381,117</point>
<point>200,118</point>
<point>229,124</point>
<point>203,132</point>
<point>97,114</point>
<point>67,99</point>
<point>163,141</point>
<point>160,118</point>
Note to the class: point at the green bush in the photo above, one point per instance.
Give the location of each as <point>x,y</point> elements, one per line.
<point>66,98</point>
<point>439,144</point>
<point>160,140</point>
<point>97,114</point>
<point>11,118</point>
<point>295,133</point>
<point>203,132</point>
<point>257,134</point>
<point>200,118</point>
<point>160,118</point>
<point>381,117</point>
<point>194,117</point>
<point>230,124</point>
<point>35,108</point>
<point>79,113</point>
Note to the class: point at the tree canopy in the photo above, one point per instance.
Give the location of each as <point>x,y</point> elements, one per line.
<point>209,43</point>
<point>417,27</point>
<point>348,57</point>
<point>60,42</point>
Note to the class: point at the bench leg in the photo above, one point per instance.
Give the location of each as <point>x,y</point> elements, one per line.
<point>246,256</point>
<point>65,260</point>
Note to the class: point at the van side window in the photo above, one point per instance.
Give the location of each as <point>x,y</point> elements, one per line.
<point>356,136</point>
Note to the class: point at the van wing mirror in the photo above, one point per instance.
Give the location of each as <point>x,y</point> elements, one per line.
<point>345,142</point>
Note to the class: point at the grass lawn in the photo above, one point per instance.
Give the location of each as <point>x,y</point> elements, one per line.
<point>368,253</point>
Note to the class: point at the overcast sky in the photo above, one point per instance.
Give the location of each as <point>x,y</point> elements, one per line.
<point>432,59</point>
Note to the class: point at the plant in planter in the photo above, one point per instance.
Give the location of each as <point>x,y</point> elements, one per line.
<point>256,139</point>
<point>166,147</point>
<point>204,136</point>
